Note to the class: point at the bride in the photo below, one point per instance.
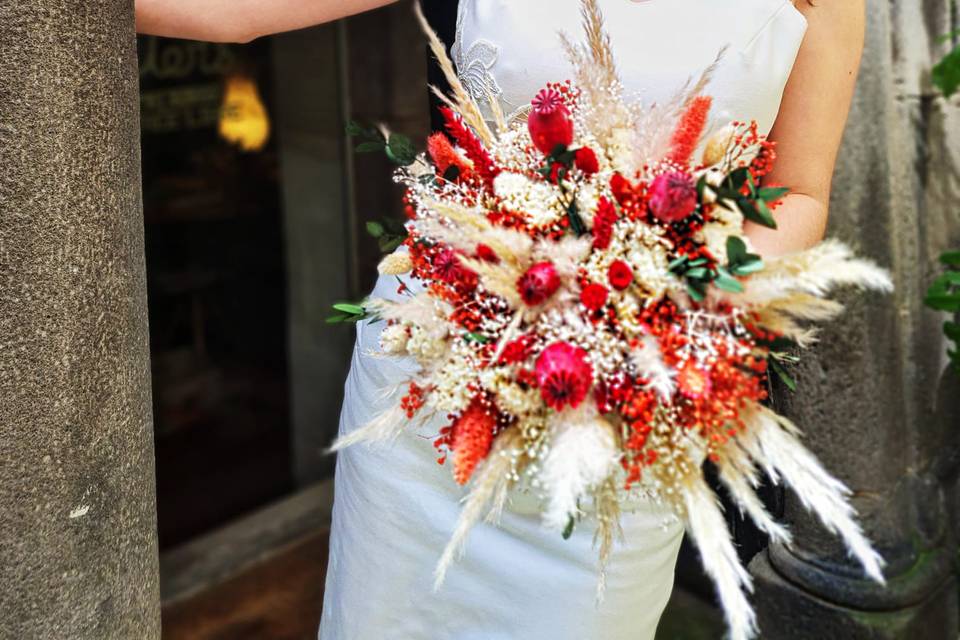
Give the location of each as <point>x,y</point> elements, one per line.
<point>791,67</point>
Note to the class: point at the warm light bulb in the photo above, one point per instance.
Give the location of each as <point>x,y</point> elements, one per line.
<point>243,117</point>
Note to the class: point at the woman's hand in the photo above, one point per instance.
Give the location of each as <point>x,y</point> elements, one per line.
<point>240,20</point>
<point>810,124</point>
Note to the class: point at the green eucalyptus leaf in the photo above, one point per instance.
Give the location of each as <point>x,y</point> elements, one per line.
<point>401,150</point>
<point>375,229</point>
<point>752,264</point>
<point>783,375</point>
<point>370,147</point>
<point>675,266</point>
<point>727,282</point>
<point>351,308</point>
<point>568,530</point>
<point>736,250</point>
<point>697,291</point>
<point>772,194</point>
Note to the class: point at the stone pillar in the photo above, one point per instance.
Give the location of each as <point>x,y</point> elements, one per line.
<point>868,397</point>
<point>78,549</point>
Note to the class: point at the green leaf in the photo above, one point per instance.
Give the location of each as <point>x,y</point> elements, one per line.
<point>941,302</point>
<point>337,319</point>
<point>675,266</point>
<point>757,211</point>
<point>401,151</point>
<point>772,194</point>
<point>951,258</point>
<point>738,178</point>
<point>698,273</point>
<point>576,222</point>
<point>351,308</point>
<point>727,282</point>
<point>568,530</point>
<point>736,250</point>
<point>370,147</point>
<point>375,229</point>
<point>356,129</point>
<point>952,331</point>
<point>389,244</point>
<point>946,74</point>
<point>477,337</point>
<point>783,375</point>
<point>752,264</point>
<point>697,290</point>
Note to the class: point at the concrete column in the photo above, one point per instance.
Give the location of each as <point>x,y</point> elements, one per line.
<point>78,550</point>
<point>868,397</point>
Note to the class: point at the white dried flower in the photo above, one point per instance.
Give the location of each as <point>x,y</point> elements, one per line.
<point>393,339</point>
<point>395,264</point>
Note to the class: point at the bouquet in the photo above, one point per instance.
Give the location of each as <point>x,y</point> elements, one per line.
<point>585,309</point>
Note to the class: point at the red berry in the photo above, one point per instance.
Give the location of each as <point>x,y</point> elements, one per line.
<point>594,296</point>
<point>586,160</point>
<point>620,275</point>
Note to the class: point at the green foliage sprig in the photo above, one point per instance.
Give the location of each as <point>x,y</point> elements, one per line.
<point>944,295</point>
<point>399,148</point>
<point>946,73</point>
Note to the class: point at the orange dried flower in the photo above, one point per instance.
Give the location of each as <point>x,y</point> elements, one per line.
<point>471,439</point>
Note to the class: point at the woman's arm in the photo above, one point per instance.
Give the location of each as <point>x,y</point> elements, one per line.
<point>811,122</point>
<point>240,20</point>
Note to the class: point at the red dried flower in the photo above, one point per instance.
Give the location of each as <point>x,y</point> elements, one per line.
<point>517,350</point>
<point>487,254</point>
<point>471,439</point>
<point>603,221</point>
<point>586,160</point>
<point>445,156</point>
<point>594,296</point>
<point>689,130</point>
<point>673,196</point>
<point>620,275</point>
<point>538,283</point>
<point>564,375</point>
<point>549,122</point>
<point>483,164</point>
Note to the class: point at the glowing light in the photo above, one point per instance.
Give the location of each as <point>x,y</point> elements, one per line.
<point>243,116</point>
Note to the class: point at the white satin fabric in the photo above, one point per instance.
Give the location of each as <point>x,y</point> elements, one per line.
<point>394,506</point>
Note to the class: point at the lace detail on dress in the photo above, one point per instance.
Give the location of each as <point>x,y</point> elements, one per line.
<point>474,66</point>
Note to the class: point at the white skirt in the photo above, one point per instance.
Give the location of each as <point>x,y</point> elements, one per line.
<point>395,509</point>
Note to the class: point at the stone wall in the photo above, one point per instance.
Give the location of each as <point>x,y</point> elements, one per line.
<point>78,553</point>
<point>868,399</point>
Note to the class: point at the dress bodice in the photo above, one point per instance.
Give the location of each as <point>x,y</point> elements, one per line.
<point>512,48</point>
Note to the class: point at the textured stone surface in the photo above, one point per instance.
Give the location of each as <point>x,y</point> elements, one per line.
<point>78,556</point>
<point>868,396</point>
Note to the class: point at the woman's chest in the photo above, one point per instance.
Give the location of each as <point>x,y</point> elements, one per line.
<point>511,48</point>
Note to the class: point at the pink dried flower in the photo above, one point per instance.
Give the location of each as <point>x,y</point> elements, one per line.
<point>538,283</point>
<point>564,375</point>
<point>673,196</point>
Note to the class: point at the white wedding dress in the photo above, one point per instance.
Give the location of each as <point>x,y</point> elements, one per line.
<point>395,507</point>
